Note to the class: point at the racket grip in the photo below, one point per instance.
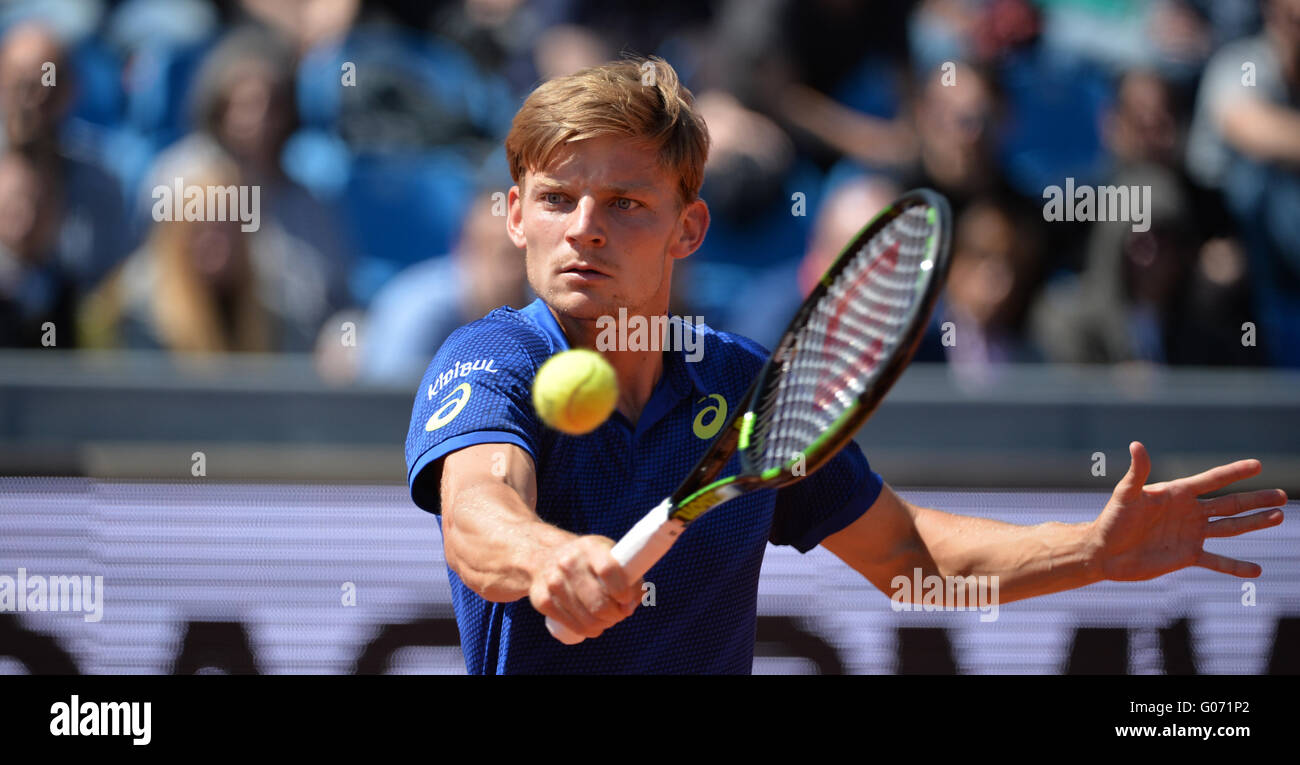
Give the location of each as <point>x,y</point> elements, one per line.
<point>639,549</point>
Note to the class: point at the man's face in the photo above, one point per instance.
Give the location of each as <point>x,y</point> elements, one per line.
<point>30,108</point>
<point>602,225</point>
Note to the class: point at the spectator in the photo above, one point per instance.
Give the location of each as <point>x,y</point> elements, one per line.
<point>1141,126</point>
<point>243,105</point>
<point>244,113</point>
<point>193,287</point>
<point>1129,304</point>
<point>85,203</point>
<point>956,129</point>
<point>34,289</point>
<point>566,49</point>
<point>1172,36</point>
<point>796,63</point>
<point>1245,141</point>
<point>503,35</point>
<point>994,268</point>
<point>304,23</point>
<point>958,115</point>
<point>412,315</point>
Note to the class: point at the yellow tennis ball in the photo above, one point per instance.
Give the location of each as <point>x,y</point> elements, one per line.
<point>575,391</point>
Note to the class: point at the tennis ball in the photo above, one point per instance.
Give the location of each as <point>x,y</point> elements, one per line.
<point>575,391</point>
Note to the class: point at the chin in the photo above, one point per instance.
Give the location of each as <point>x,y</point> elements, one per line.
<point>580,304</point>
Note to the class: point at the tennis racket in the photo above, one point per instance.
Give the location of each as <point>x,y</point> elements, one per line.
<point>848,343</point>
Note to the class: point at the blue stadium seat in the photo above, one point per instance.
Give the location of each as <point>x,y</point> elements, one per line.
<point>99,98</point>
<point>402,208</point>
<point>1052,130</point>
<point>158,90</point>
<point>318,160</point>
<point>872,88</point>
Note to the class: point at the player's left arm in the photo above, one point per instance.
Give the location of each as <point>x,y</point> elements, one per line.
<point>1142,533</point>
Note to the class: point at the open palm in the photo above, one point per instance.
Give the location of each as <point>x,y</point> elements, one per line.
<point>1147,531</point>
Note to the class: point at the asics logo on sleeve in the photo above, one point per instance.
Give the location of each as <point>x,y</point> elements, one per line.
<point>451,406</point>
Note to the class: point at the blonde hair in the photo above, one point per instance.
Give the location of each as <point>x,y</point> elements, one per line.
<point>182,309</point>
<point>641,99</point>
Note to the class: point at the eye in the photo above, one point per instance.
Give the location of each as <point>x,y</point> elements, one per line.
<point>552,197</point>
<point>623,203</point>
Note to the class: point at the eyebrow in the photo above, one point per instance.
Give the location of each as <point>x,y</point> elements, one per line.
<point>617,189</point>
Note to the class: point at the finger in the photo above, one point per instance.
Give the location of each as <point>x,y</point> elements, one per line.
<point>603,590</point>
<point>630,599</point>
<point>1231,527</point>
<point>578,595</point>
<point>1130,486</point>
<point>596,604</point>
<point>631,606</point>
<point>566,619</point>
<point>595,597</point>
<point>1221,476</point>
<point>554,605</point>
<point>613,577</point>
<point>1240,502</point>
<point>1226,565</point>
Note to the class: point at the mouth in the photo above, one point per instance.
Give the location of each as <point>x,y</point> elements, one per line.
<point>584,271</point>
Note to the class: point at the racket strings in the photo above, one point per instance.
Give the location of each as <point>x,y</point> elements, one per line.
<point>829,363</point>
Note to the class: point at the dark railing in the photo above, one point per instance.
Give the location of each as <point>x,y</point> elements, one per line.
<point>274,418</point>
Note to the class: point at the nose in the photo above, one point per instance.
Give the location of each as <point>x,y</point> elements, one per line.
<point>585,227</point>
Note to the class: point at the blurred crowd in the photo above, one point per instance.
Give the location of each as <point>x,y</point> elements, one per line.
<point>374,132</point>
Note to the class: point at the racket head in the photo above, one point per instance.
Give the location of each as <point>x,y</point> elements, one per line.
<point>849,341</point>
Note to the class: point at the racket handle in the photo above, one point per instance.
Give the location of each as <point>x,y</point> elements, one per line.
<point>639,549</point>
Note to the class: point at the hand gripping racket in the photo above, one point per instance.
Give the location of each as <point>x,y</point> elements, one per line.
<point>848,343</point>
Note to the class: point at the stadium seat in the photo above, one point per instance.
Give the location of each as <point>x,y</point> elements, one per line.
<point>159,82</point>
<point>99,97</point>
<point>1052,130</point>
<point>403,208</point>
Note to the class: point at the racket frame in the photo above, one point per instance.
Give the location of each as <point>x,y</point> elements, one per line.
<point>700,492</point>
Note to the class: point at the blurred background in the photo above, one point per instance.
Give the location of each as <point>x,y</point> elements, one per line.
<point>193,352</point>
<point>374,130</point>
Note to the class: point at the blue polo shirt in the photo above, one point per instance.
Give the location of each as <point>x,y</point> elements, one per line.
<point>478,390</point>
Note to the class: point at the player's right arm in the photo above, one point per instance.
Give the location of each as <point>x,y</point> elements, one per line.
<point>499,547</point>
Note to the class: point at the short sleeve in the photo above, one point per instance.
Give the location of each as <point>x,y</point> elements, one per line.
<point>1222,81</point>
<point>826,502</point>
<point>475,391</point>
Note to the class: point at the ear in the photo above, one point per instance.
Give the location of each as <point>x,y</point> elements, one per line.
<point>691,228</point>
<point>515,217</point>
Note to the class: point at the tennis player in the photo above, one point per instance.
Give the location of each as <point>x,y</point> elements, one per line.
<point>608,165</point>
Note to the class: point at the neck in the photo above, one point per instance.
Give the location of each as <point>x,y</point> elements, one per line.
<point>637,371</point>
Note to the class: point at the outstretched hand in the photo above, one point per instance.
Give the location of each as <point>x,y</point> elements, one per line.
<point>1148,531</point>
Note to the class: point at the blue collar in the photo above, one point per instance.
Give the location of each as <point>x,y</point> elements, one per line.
<point>540,315</point>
